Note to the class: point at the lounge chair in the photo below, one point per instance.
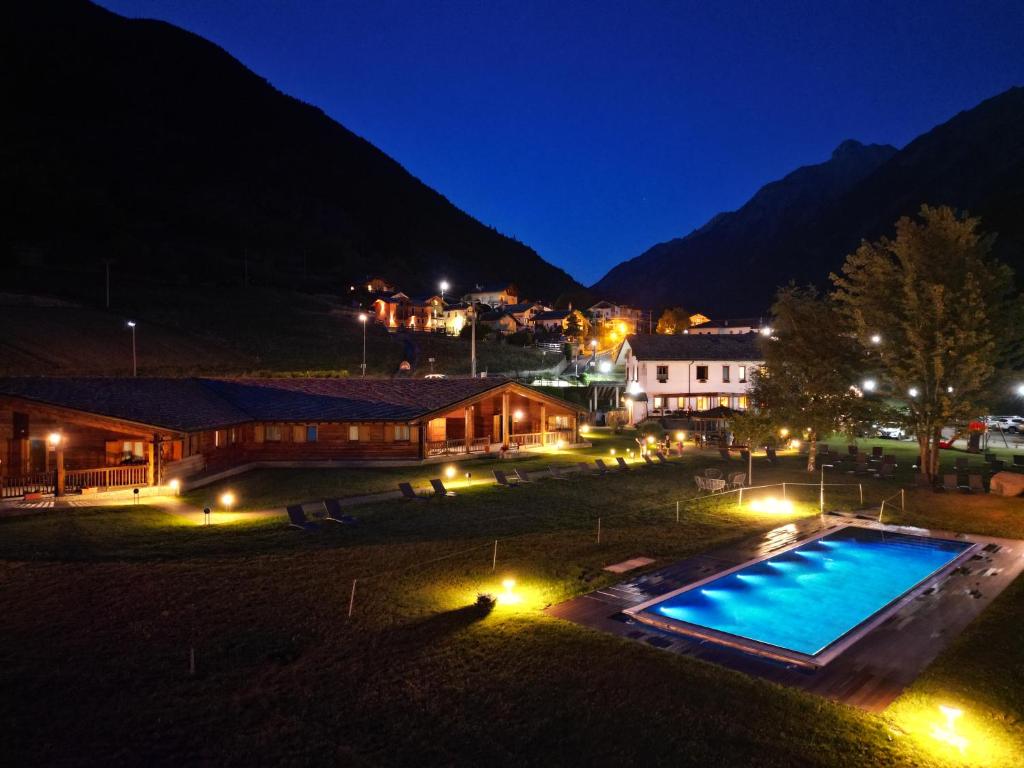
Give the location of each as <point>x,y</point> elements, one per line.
<point>504,480</point>
<point>960,464</point>
<point>974,484</point>
<point>297,519</point>
<point>661,458</point>
<point>521,476</point>
<point>409,494</point>
<point>997,466</point>
<point>439,490</point>
<point>332,512</point>
<point>555,474</point>
<point>1018,459</point>
<point>852,450</point>
<point>602,468</point>
<point>771,455</point>
<point>701,483</point>
<point>622,465</point>
<point>877,451</point>
<point>886,471</point>
<point>586,469</point>
<point>737,479</point>
<point>949,483</point>
<point>649,461</point>
<point>713,473</point>
<point>724,453</point>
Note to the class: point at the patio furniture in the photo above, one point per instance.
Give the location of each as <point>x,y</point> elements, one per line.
<point>1018,459</point>
<point>714,484</point>
<point>852,450</point>
<point>990,456</point>
<point>409,494</point>
<point>602,468</point>
<point>975,484</point>
<point>737,479</point>
<point>586,469</point>
<point>439,490</point>
<point>297,519</point>
<point>713,473</point>
<point>701,483</point>
<point>997,466</point>
<point>745,455</point>
<point>960,464</point>
<point>661,458</point>
<point>887,471</point>
<point>877,451</point>
<point>649,461</point>
<point>949,483</point>
<point>521,476</point>
<point>555,474</point>
<point>332,512</point>
<point>504,480</point>
<point>623,466</point>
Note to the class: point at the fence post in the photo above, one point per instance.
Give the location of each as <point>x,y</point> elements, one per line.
<point>494,559</point>
<point>903,500</point>
<point>783,491</point>
<point>599,530</point>
<point>860,487</point>
<point>352,599</point>
<point>677,510</point>
<point>881,509</point>
<point>741,497</point>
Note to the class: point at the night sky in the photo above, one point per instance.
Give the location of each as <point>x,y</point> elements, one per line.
<point>591,131</point>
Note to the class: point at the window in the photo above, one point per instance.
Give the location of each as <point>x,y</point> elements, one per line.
<point>659,402</point>
<point>401,432</point>
<point>724,401</point>
<point>273,433</point>
<point>662,373</point>
<point>743,374</point>
<point>353,432</point>
<point>217,439</point>
<point>725,374</point>
<point>741,403</point>
<point>298,433</point>
<point>311,433</point>
<point>258,432</point>
<point>702,374</point>
<point>233,436</point>
<point>703,403</point>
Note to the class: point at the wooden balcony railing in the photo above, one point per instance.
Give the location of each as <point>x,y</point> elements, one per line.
<point>19,485</point>
<point>128,476</point>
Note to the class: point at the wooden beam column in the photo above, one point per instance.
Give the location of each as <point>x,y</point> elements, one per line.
<point>58,486</point>
<point>543,423</point>
<point>155,463</point>
<point>504,419</point>
<point>468,417</point>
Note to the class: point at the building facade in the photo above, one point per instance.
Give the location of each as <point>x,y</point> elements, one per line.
<point>684,374</point>
<point>493,295</point>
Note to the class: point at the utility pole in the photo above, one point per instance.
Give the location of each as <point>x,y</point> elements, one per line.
<point>135,367</point>
<point>472,342</point>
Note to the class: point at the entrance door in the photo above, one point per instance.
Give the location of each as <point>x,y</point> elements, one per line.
<point>37,455</point>
<point>496,434</point>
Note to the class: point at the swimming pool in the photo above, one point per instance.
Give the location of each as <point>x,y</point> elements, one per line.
<point>802,603</point>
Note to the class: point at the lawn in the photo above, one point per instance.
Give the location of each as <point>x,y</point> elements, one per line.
<point>102,608</point>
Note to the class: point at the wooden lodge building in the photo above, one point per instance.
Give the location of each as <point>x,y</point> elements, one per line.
<point>60,434</point>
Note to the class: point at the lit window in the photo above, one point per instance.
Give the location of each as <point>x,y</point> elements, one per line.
<point>658,402</point>
<point>353,432</point>
<point>723,401</point>
<point>401,432</point>
<point>273,433</point>
<point>311,433</point>
<point>743,374</point>
<point>216,438</point>
<point>741,403</point>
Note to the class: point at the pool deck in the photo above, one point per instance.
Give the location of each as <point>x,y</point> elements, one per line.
<point>872,672</point>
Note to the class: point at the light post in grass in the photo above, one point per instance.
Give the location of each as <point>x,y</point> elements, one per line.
<point>135,367</point>
<point>363,317</point>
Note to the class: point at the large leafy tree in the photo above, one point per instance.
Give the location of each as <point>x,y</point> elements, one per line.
<point>808,382</point>
<point>673,320</point>
<point>938,315</point>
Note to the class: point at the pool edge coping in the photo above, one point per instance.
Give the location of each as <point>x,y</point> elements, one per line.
<point>834,649</point>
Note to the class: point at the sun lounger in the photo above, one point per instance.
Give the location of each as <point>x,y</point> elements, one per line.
<point>332,512</point>
<point>877,451</point>
<point>949,483</point>
<point>886,471</point>
<point>649,461</point>
<point>661,458</point>
<point>586,469</point>
<point>504,480</point>
<point>409,494</point>
<point>852,450</point>
<point>297,519</point>
<point>602,468</point>
<point>555,474</point>
<point>974,484</point>
<point>521,476</point>
<point>439,490</point>
<point>960,464</point>
<point>623,466</point>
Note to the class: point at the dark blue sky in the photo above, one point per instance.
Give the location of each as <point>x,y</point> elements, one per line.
<point>593,130</point>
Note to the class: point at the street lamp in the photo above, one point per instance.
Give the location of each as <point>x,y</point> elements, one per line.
<point>362,319</point>
<point>876,339</point>
<point>1020,390</point>
<point>135,367</point>
<point>869,385</point>
<point>444,287</point>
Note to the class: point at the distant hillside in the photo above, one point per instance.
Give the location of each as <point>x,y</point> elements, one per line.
<point>802,226</point>
<point>141,142</point>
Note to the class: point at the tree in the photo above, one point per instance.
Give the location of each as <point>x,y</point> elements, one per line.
<point>805,384</point>
<point>577,327</point>
<point>937,314</point>
<point>674,320</point>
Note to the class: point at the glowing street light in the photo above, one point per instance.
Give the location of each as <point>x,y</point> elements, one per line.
<point>869,385</point>
<point>227,500</point>
<point>363,317</point>
<point>584,429</point>
<point>912,392</point>
<point>876,338</point>
<point>450,471</point>
<point>54,438</point>
<point>766,331</point>
<point>135,367</point>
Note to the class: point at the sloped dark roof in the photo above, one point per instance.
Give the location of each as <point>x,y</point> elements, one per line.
<point>733,322</point>
<point>710,346</point>
<point>177,404</point>
<point>194,404</point>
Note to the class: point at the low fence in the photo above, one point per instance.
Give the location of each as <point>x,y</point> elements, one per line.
<point>129,476</point>
<point>21,485</point>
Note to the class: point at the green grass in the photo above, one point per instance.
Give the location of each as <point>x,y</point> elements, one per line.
<point>101,608</point>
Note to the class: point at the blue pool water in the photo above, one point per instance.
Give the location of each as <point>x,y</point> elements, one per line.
<point>806,598</point>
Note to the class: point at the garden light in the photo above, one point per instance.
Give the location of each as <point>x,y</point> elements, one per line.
<point>794,443</point>
<point>947,732</point>
<point>912,391</point>
<point>876,339</point>
<point>771,506</point>
<point>509,597</point>
<point>584,429</point>
<point>680,436</point>
<point>650,439</point>
<point>611,452</point>
<point>175,486</point>
<point>227,500</point>
<point>54,438</point>
<point>784,432</point>
<point>449,471</point>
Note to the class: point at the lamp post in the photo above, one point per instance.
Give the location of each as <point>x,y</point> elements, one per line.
<point>56,439</point>
<point>362,319</point>
<point>472,341</point>
<point>593,353</point>
<point>444,287</point>
<point>135,367</point>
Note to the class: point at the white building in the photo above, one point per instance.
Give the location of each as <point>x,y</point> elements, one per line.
<point>688,374</point>
<point>736,325</point>
<point>493,295</point>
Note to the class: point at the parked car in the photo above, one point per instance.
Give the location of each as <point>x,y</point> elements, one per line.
<point>891,431</point>
<point>1011,424</point>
